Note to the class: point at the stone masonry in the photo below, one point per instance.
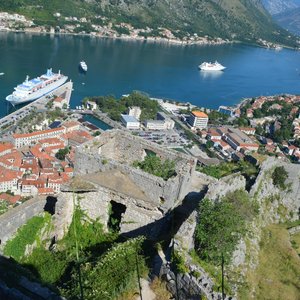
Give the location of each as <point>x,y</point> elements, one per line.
<point>113,152</point>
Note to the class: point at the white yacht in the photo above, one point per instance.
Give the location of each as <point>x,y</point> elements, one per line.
<point>208,66</point>
<point>83,66</point>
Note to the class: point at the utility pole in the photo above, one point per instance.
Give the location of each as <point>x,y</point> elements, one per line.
<point>138,272</point>
<point>223,294</point>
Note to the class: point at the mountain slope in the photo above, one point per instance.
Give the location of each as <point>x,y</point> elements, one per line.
<point>244,20</point>
<point>290,20</point>
<point>279,6</point>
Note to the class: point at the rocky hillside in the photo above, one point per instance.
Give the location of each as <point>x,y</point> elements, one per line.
<point>279,6</point>
<point>290,20</point>
<point>230,19</point>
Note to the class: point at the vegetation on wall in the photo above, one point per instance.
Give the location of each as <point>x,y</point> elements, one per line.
<point>88,263</point>
<point>26,235</point>
<point>227,168</point>
<point>155,166</point>
<point>279,177</point>
<point>221,225</point>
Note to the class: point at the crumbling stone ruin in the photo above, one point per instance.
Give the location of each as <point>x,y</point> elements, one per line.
<point>141,198</point>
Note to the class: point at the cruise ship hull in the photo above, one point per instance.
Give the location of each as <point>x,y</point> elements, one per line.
<point>212,68</point>
<point>42,92</point>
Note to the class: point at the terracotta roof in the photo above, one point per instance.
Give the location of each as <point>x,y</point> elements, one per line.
<point>23,135</point>
<point>59,99</point>
<point>9,175</point>
<point>199,114</point>
<point>71,124</point>
<point>45,191</point>
<point>6,146</point>
<point>10,198</point>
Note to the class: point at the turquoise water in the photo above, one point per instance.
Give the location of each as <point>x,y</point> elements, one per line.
<point>96,122</point>
<point>117,67</point>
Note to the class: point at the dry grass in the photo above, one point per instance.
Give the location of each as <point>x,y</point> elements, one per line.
<point>160,290</point>
<point>278,275</point>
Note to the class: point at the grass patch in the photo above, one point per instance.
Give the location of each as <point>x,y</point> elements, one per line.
<point>227,168</point>
<point>26,235</point>
<point>159,289</point>
<point>278,273</point>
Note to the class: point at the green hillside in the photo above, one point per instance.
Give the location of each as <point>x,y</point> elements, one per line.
<point>232,19</point>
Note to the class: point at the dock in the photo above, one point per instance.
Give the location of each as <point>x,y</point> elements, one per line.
<point>64,91</point>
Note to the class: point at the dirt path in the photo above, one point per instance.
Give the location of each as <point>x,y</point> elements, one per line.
<point>147,293</point>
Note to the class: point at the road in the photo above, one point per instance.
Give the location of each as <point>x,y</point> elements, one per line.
<point>8,122</point>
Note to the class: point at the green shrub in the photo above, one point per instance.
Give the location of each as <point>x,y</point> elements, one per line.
<point>221,224</point>
<point>154,165</point>
<point>179,262</point>
<point>279,177</point>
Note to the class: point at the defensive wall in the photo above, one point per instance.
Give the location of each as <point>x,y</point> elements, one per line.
<point>116,150</point>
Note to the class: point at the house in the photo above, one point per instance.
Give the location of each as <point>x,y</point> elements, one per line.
<point>10,199</point>
<point>213,134</point>
<point>248,130</point>
<point>60,102</point>
<point>239,140</point>
<point>71,126</point>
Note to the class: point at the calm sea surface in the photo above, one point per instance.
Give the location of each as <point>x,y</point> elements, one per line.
<point>117,67</point>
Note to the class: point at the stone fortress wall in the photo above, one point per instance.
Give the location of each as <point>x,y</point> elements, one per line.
<point>18,216</point>
<point>117,150</point>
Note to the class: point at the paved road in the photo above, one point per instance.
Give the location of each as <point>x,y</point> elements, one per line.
<point>38,104</point>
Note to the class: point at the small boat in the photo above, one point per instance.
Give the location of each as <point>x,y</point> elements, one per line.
<point>208,66</point>
<point>1,74</point>
<point>83,66</point>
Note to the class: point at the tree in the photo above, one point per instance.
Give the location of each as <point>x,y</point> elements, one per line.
<point>61,153</point>
<point>218,230</point>
<point>279,177</point>
<point>221,224</point>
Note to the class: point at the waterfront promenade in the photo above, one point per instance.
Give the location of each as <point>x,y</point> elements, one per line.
<point>63,91</point>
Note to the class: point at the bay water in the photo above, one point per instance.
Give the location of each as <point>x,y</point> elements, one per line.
<point>161,70</point>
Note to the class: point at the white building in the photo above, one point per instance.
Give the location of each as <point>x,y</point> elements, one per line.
<point>135,111</point>
<point>130,122</point>
<point>91,105</point>
<point>155,125</point>
<point>25,139</point>
<point>198,119</point>
<point>169,123</point>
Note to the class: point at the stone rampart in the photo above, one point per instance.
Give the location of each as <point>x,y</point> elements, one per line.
<point>230,183</point>
<point>116,150</point>
<point>96,205</point>
<point>18,216</point>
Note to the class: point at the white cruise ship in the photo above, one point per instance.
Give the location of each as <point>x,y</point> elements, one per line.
<point>35,88</point>
<point>211,66</point>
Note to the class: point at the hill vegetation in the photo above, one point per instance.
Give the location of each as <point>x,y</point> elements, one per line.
<point>115,107</point>
<point>228,19</point>
<point>88,263</point>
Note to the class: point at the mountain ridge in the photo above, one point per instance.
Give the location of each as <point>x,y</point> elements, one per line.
<point>279,6</point>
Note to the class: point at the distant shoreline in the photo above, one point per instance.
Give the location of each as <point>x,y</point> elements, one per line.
<point>129,38</point>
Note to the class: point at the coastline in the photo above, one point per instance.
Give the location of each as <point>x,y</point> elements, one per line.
<point>129,38</point>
